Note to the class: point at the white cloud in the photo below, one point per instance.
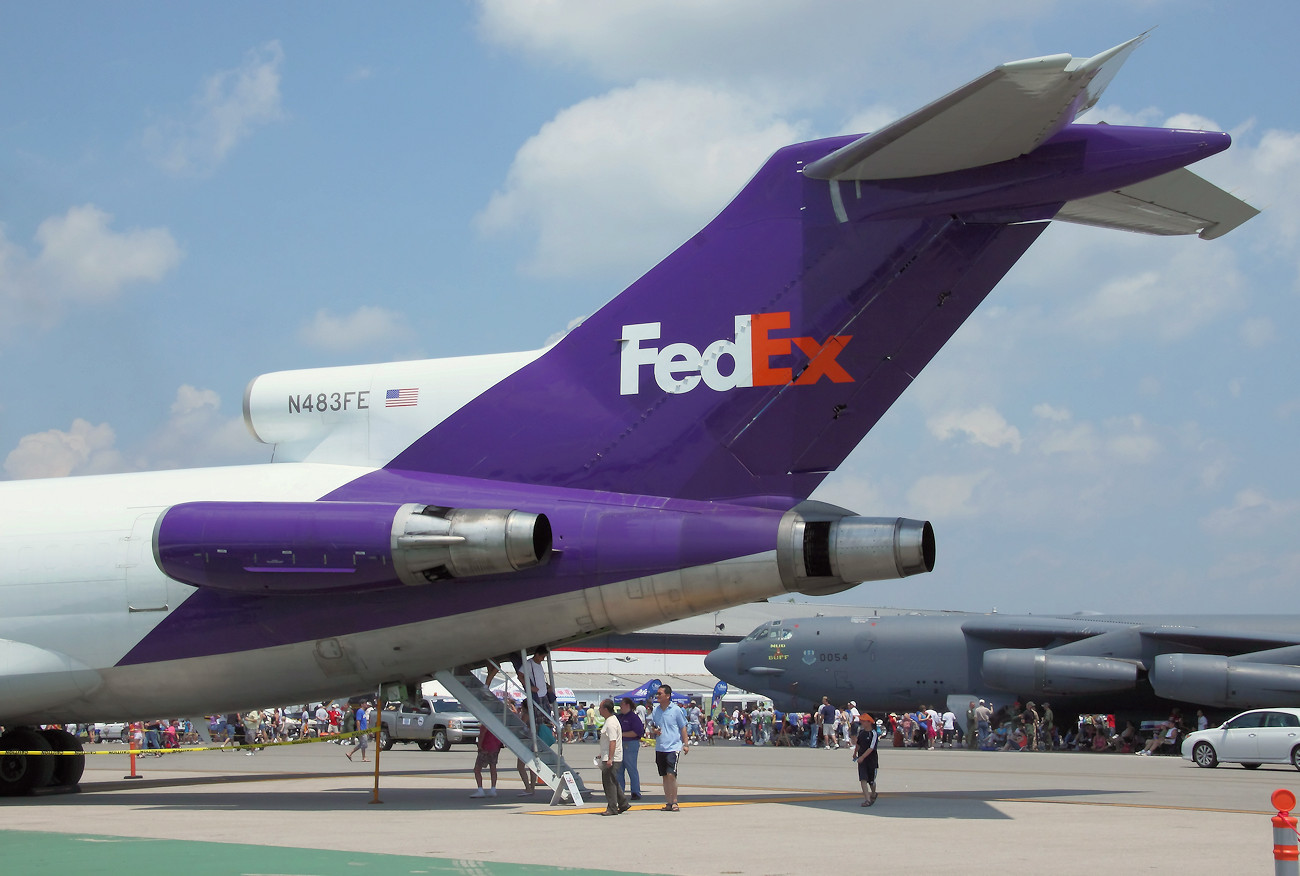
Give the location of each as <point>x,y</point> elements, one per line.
<point>1079,440</point>
<point>788,48</point>
<point>195,433</point>
<point>856,491</point>
<point>620,179</point>
<point>1258,332</point>
<point>1130,441</point>
<point>1252,513</point>
<point>80,260</point>
<point>946,495</point>
<point>1191,289</point>
<point>1045,411</point>
<point>982,425</point>
<point>1118,441</point>
<point>1191,122</point>
<point>83,449</point>
<point>365,327</point>
<point>225,112</point>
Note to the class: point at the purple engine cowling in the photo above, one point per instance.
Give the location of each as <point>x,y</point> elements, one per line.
<point>306,547</point>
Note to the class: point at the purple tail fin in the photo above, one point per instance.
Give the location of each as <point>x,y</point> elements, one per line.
<point>753,359</point>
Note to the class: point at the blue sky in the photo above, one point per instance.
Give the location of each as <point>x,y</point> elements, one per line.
<point>190,198</point>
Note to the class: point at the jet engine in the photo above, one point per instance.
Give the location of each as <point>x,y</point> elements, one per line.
<point>1024,670</point>
<point>1212,680</point>
<point>305,547</point>
<point>825,550</point>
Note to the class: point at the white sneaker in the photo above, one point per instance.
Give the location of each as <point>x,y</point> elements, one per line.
<point>492,792</point>
<point>479,793</point>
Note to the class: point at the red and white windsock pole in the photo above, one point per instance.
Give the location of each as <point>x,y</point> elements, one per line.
<point>1286,857</point>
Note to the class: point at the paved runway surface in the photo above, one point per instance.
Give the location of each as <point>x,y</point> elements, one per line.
<point>307,809</point>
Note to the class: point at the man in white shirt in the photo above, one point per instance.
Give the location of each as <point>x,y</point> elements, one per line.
<point>611,755</point>
<point>538,687</point>
<point>949,728</point>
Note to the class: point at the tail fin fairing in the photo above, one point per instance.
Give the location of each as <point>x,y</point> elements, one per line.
<point>748,363</point>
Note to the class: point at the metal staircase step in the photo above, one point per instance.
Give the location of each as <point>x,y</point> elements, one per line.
<point>546,762</point>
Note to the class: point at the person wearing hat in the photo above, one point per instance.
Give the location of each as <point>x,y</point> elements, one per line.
<point>867,759</point>
<point>983,718</point>
<point>1029,724</point>
<point>854,715</point>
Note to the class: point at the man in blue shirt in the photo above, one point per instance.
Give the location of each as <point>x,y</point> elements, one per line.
<point>668,723</point>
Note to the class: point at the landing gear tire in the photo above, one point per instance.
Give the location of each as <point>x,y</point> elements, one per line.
<point>23,773</point>
<point>67,768</point>
<point>440,742</point>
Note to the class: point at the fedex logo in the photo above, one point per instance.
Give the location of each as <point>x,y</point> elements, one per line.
<point>680,367</point>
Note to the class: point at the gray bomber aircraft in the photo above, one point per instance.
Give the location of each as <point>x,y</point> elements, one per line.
<point>1089,663</point>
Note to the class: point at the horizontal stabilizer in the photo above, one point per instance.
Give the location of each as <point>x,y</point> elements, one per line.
<point>1175,203</point>
<point>1003,114</point>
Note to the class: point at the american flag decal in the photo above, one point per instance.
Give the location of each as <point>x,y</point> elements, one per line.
<point>401,398</point>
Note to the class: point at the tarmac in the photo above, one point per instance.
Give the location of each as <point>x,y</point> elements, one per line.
<point>744,810</point>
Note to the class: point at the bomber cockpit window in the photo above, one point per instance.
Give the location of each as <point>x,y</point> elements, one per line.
<point>772,630</point>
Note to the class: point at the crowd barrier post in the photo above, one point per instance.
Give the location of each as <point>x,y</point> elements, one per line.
<point>378,724</point>
<point>131,730</point>
<point>1286,856</point>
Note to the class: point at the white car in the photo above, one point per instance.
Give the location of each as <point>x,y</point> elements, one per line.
<point>1250,739</point>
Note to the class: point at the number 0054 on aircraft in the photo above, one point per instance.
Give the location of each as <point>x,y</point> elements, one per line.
<point>652,465</point>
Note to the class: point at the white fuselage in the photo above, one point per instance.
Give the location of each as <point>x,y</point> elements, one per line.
<point>81,589</point>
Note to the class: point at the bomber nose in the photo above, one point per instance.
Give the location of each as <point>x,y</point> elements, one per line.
<point>721,660</point>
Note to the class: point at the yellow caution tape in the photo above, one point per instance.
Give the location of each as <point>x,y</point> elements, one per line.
<point>161,751</point>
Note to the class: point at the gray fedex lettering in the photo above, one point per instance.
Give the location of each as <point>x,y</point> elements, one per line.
<point>330,402</point>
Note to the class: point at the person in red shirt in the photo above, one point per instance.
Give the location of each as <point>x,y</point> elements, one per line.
<point>489,748</point>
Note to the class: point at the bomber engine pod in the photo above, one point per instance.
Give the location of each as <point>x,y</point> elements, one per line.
<point>315,547</point>
<point>1024,670</point>
<point>825,549</point>
<point>1218,681</point>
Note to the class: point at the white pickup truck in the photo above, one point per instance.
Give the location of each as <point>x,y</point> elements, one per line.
<point>431,724</point>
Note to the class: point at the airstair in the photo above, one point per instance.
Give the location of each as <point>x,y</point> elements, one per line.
<point>504,722</point>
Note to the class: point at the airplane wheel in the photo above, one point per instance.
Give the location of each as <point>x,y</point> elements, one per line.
<point>67,769</point>
<point>22,773</point>
<point>1204,755</point>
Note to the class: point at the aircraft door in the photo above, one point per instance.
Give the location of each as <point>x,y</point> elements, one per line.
<point>146,585</point>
